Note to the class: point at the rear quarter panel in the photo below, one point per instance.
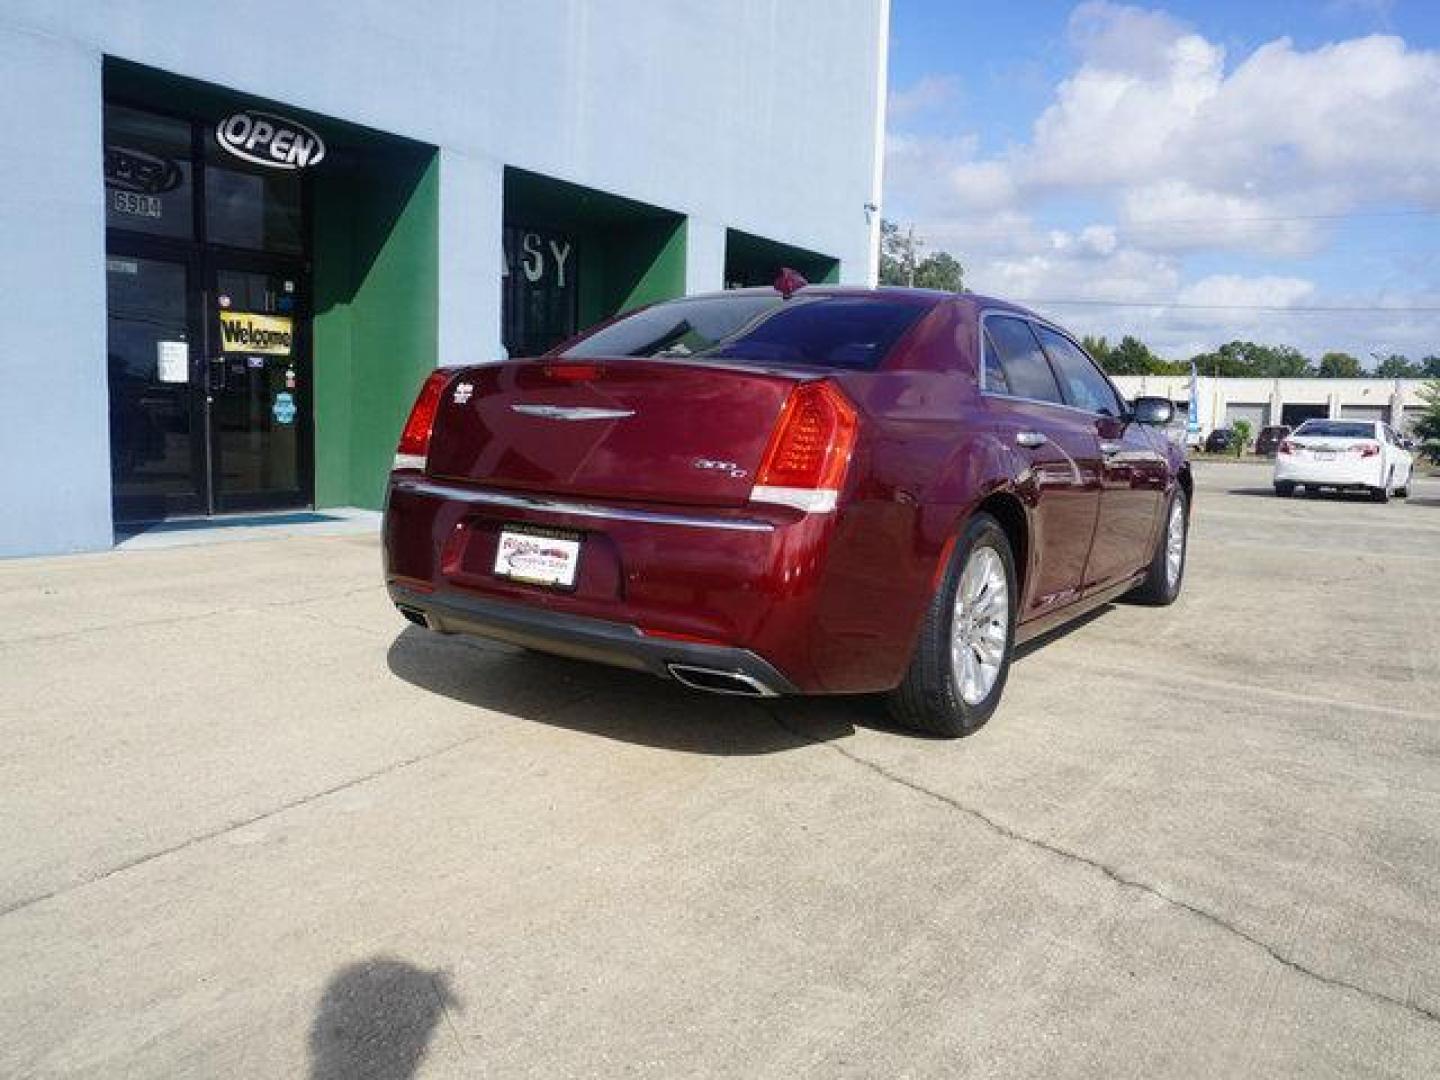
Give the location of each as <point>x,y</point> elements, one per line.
<point>922,466</point>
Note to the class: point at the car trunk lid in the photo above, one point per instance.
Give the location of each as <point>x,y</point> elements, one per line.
<point>643,430</point>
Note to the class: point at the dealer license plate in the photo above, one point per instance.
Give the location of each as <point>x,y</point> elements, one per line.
<point>538,556</point>
<point>1324,455</point>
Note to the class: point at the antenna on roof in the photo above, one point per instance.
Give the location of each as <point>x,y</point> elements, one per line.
<point>789,282</point>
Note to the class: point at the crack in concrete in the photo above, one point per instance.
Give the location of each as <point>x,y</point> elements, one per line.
<point>233,826</point>
<point>1010,833</point>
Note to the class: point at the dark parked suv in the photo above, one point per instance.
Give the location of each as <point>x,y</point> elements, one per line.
<point>1220,441</point>
<point>1269,439</point>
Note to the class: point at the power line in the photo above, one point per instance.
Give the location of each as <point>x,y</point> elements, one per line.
<point>1168,305</point>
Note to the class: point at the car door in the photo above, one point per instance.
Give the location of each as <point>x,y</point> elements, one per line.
<point>1026,410</point>
<point>1132,468</point>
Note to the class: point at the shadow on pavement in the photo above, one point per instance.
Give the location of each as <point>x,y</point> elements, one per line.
<point>629,706</point>
<point>376,1019</point>
<point>1034,645</point>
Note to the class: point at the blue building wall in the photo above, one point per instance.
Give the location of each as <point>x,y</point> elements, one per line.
<point>763,116</point>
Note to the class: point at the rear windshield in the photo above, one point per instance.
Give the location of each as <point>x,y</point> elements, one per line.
<point>851,332</point>
<point>1337,429</point>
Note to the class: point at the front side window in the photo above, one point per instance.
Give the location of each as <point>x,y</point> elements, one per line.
<point>1027,372</point>
<point>850,332</point>
<point>1084,386</point>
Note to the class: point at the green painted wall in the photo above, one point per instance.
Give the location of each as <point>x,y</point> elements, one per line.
<point>629,266</point>
<point>756,260</point>
<point>629,253</point>
<point>376,265</point>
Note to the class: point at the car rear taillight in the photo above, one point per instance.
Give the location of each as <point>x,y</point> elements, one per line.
<point>809,450</point>
<point>1368,449</point>
<point>1286,447</point>
<point>415,438</point>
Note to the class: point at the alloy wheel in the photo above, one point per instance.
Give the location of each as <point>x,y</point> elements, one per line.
<point>1174,545</point>
<point>980,625</point>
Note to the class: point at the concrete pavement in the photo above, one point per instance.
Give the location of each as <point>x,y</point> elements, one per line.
<point>256,825</point>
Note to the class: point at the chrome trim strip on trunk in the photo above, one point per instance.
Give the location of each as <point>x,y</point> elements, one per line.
<point>491,497</point>
<point>569,412</point>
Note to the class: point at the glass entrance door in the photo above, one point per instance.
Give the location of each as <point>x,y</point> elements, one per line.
<point>209,349</point>
<point>258,385</point>
<point>157,412</point>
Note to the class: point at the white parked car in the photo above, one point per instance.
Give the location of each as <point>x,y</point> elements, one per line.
<point>1344,454</point>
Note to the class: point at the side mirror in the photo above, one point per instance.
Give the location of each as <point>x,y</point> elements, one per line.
<point>1156,411</point>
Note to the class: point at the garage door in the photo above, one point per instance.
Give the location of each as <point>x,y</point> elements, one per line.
<point>1253,413</point>
<point>1364,412</point>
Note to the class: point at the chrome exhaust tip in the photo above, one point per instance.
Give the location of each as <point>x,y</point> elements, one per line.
<point>713,681</point>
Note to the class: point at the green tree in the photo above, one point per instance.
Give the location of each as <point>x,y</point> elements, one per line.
<point>899,254</point>
<point>1427,427</point>
<point>1396,366</point>
<point>1430,367</point>
<point>1099,350</point>
<point>1240,359</point>
<point>901,264</point>
<point>1339,365</point>
<point>940,271</point>
<point>1133,357</point>
<point>1243,435</point>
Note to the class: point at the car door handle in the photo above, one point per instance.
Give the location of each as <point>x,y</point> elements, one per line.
<point>1031,439</point>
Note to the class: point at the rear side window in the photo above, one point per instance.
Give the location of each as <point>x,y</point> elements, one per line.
<point>1084,386</point>
<point>1027,373</point>
<point>995,380</point>
<point>850,332</point>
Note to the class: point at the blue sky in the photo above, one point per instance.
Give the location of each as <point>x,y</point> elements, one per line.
<point>1231,166</point>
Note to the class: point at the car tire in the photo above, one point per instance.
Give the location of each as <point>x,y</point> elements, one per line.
<point>1382,493</point>
<point>1284,488</point>
<point>934,697</point>
<point>1166,575</point>
<point>1403,492</point>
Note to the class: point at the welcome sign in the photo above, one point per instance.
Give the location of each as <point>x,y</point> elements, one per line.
<point>247,332</point>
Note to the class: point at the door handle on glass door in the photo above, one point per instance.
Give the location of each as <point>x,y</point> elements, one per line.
<point>1031,439</point>
<point>215,375</point>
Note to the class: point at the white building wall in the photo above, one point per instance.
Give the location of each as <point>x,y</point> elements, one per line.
<point>1217,395</point>
<point>760,115</point>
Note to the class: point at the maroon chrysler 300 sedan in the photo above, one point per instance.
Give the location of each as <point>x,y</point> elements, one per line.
<point>816,490</point>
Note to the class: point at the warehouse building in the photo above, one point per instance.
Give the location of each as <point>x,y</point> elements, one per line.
<point>234,238</point>
<point>1266,402</point>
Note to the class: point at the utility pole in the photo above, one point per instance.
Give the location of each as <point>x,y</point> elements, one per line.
<point>911,255</point>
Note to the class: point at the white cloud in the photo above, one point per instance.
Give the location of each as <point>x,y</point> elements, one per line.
<point>1234,290</point>
<point>1186,151</point>
<point>925,95</point>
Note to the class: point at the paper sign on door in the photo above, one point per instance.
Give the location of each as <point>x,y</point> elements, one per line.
<point>172,361</point>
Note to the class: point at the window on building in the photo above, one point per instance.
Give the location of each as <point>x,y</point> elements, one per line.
<point>148,167</point>
<point>541,292</point>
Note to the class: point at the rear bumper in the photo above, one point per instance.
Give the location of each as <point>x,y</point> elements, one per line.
<point>1361,473</point>
<point>596,640</point>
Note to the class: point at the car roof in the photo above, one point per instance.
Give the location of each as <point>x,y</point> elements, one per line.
<point>886,292</point>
